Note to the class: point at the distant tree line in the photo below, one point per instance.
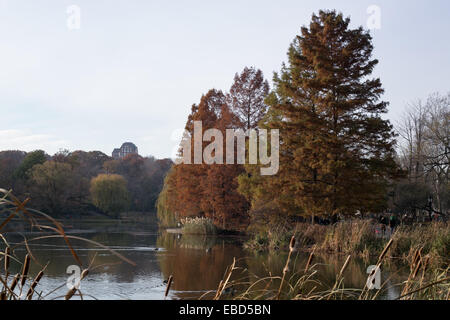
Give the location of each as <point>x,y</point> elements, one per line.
<point>81,182</point>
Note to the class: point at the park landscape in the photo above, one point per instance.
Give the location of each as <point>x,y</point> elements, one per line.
<point>352,191</point>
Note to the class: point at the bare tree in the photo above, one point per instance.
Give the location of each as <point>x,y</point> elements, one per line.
<point>412,130</point>
<point>425,147</point>
<point>437,140</point>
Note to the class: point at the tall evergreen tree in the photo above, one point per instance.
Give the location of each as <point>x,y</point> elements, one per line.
<point>337,152</point>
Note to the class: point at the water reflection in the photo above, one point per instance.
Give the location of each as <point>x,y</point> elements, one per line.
<point>197,263</point>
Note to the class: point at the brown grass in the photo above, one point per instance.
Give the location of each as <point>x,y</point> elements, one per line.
<point>358,238</point>
<point>421,284</point>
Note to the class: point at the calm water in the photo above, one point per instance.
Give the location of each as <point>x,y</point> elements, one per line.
<point>197,263</point>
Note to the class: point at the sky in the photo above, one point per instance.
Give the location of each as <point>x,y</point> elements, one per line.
<point>92,74</point>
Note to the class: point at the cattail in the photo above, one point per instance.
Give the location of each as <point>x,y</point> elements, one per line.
<point>385,250</point>
<point>292,244</point>
<point>169,283</point>
<point>72,291</point>
<point>285,269</point>
<point>34,284</point>
<point>26,268</point>
<point>84,273</point>
<point>2,296</point>
<point>7,258</point>
<point>344,266</point>
<point>14,282</point>
<point>310,259</point>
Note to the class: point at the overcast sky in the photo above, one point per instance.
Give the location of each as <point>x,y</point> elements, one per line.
<point>134,67</point>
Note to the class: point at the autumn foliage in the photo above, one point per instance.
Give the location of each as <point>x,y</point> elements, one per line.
<point>211,190</point>
<point>336,151</point>
<point>109,193</point>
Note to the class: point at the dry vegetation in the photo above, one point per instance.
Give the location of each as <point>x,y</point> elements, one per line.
<point>421,284</point>
<point>203,226</point>
<point>22,286</point>
<point>359,237</point>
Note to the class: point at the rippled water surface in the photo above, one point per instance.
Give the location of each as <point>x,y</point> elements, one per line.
<point>197,263</point>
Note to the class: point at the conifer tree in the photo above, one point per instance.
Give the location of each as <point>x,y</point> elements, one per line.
<point>190,179</point>
<point>208,190</point>
<point>337,152</point>
<point>246,97</point>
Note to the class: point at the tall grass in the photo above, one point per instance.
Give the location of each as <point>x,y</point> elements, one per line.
<point>359,238</point>
<point>304,285</point>
<point>22,286</point>
<point>203,226</point>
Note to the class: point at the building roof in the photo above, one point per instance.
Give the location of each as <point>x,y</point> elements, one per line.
<point>128,144</point>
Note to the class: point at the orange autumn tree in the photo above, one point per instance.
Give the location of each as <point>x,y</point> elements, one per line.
<point>207,190</point>
<point>190,180</point>
<point>229,209</point>
<point>211,189</point>
<point>336,150</point>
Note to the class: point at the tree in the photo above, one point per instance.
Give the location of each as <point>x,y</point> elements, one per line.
<point>246,97</point>
<point>337,153</point>
<point>109,193</point>
<point>89,164</point>
<point>9,163</point>
<point>111,166</point>
<point>190,179</point>
<point>206,190</point>
<point>411,197</point>
<point>412,131</point>
<point>228,208</point>
<point>31,159</point>
<point>53,186</point>
<point>425,146</point>
<point>165,210</point>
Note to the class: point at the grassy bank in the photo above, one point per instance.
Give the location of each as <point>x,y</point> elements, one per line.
<point>422,283</point>
<point>360,237</point>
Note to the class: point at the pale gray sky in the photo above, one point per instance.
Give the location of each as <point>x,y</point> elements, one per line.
<point>134,68</point>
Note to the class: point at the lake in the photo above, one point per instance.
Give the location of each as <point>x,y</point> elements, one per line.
<point>197,263</point>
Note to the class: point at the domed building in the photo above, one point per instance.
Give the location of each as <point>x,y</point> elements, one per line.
<point>126,149</point>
